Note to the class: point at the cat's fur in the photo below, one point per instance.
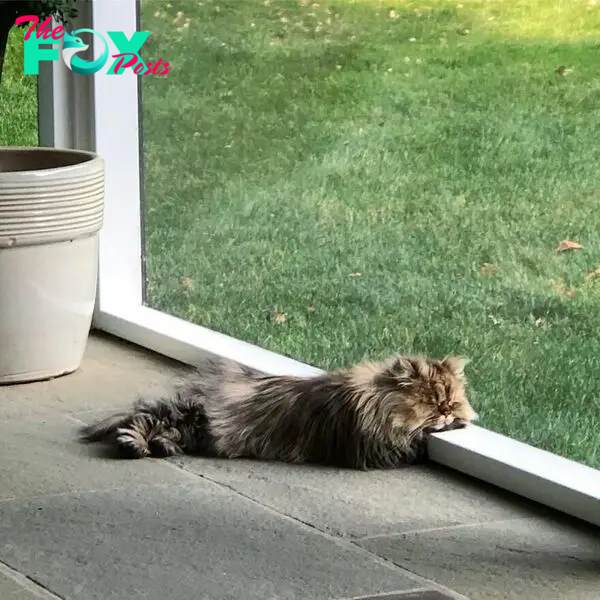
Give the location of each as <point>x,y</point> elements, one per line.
<point>373,415</point>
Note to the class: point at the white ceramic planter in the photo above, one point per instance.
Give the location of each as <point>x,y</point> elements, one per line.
<point>51,212</point>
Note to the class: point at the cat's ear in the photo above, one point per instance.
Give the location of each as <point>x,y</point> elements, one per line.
<point>404,366</point>
<point>456,364</point>
<point>409,368</point>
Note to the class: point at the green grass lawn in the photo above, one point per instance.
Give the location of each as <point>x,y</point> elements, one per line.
<point>296,145</point>
<point>337,180</point>
<point>18,98</point>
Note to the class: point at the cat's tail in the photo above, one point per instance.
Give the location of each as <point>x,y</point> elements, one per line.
<point>134,435</point>
<point>104,430</point>
<point>177,421</point>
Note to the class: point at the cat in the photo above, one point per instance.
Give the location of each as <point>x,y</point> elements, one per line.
<point>373,415</point>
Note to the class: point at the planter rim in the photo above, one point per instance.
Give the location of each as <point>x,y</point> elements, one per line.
<point>86,157</point>
<point>61,200</point>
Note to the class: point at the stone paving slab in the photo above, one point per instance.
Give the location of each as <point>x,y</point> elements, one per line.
<point>527,559</point>
<point>179,542</point>
<point>357,504</point>
<point>88,527</point>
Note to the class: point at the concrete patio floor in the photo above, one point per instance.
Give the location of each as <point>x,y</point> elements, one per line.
<point>75,525</point>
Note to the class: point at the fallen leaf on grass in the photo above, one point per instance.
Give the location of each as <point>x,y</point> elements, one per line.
<point>562,70</point>
<point>561,289</point>
<point>280,318</point>
<point>488,269</point>
<point>187,283</point>
<point>593,274</point>
<point>568,245</point>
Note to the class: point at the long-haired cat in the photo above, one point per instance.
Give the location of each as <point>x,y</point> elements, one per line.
<point>372,415</point>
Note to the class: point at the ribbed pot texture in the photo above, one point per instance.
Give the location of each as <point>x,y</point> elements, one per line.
<point>51,212</point>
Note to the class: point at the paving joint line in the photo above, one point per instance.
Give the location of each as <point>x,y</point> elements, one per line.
<point>28,582</point>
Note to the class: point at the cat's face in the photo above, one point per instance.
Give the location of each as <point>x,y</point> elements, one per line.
<point>429,395</point>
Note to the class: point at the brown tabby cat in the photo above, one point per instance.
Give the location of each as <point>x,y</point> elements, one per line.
<point>373,415</point>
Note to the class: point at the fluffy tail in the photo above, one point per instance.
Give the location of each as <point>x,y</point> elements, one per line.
<point>174,424</point>
<point>139,434</point>
<point>104,430</point>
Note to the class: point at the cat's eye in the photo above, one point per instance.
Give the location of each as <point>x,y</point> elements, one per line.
<point>444,408</point>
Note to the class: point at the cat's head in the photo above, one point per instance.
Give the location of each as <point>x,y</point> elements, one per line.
<point>425,394</point>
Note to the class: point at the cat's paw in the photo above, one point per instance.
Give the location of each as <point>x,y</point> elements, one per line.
<point>132,444</point>
<point>162,446</point>
<point>456,424</point>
